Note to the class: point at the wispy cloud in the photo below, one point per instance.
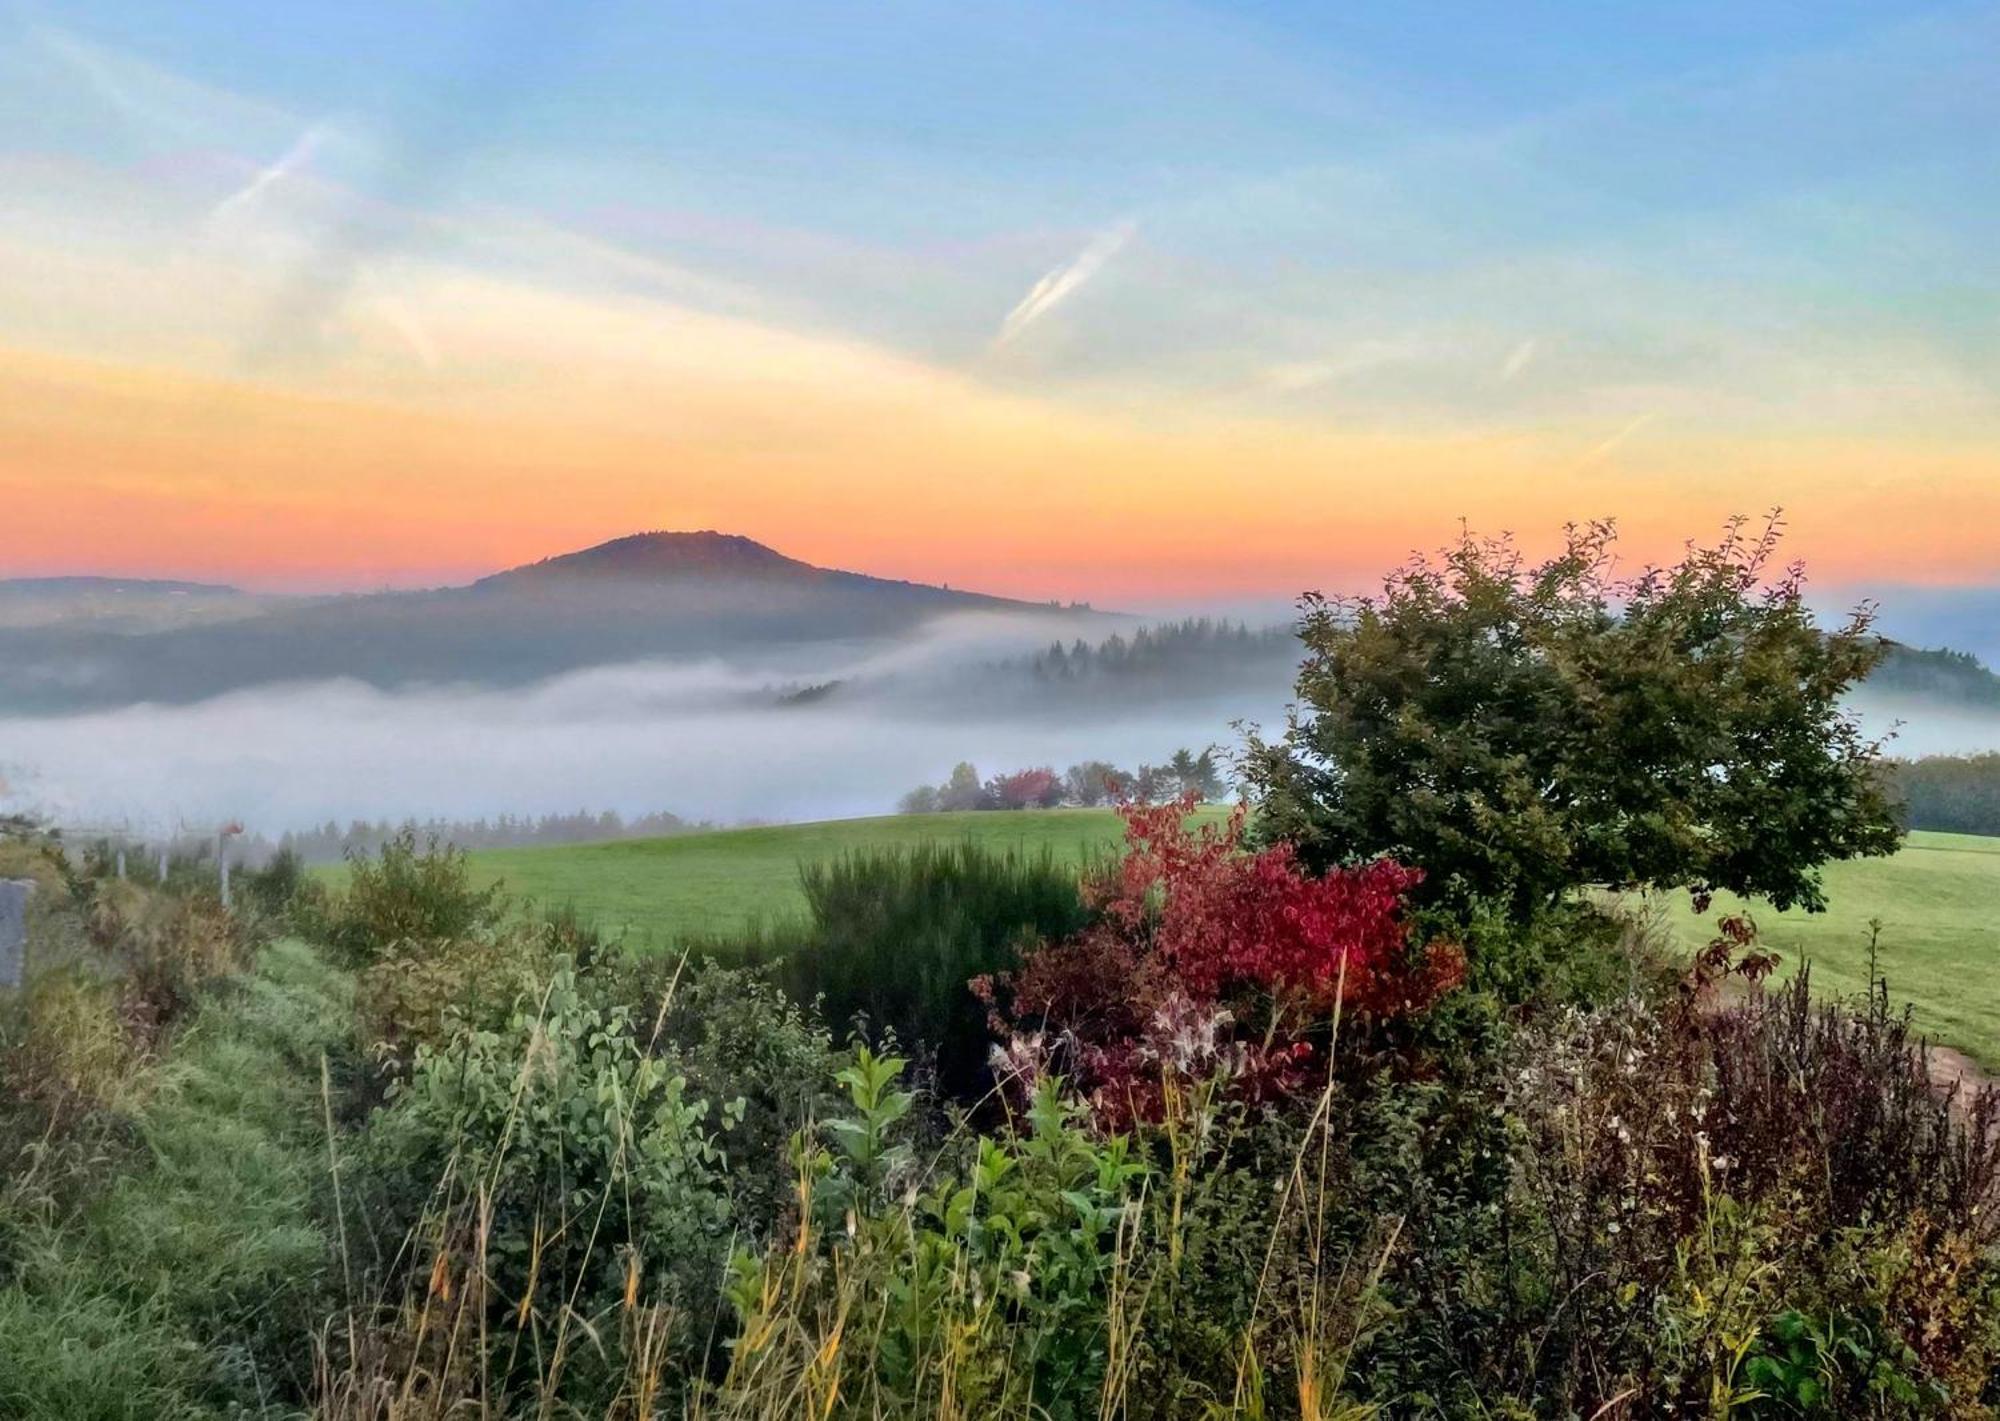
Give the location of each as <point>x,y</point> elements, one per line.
<point>1518,359</point>
<point>1602,450</point>
<point>413,332</point>
<point>291,161</point>
<point>1294,377</point>
<point>1066,280</point>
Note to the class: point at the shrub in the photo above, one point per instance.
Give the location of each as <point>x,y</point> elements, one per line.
<point>274,887</point>
<point>407,897</point>
<point>896,935</point>
<point>1208,958</point>
<point>738,1037</point>
<point>983,1290</point>
<point>1681,1181</point>
<point>166,946</point>
<point>422,994</point>
<point>549,1177</point>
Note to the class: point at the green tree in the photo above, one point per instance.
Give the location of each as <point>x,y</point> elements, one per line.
<point>1520,730</point>
<point>961,791</point>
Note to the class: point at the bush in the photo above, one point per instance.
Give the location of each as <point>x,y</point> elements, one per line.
<point>896,935</point>
<point>1208,959</point>
<point>738,1037</point>
<point>405,899</point>
<point>547,1177</point>
<point>276,886</point>
<point>1672,1184</point>
<point>982,1290</point>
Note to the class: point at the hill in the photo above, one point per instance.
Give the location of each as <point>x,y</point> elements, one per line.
<point>58,587</point>
<point>651,595</point>
<point>1940,940</point>
<point>121,604</point>
<point>1935,674</point>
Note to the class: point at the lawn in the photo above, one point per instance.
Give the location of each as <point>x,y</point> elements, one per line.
<point>656,890</point>
<point>1938,900</point>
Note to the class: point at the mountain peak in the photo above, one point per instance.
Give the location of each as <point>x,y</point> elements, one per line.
<point>660,555</point>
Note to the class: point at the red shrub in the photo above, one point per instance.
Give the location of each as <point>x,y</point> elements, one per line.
<point>1208,958</point>
<point>1028,789</point>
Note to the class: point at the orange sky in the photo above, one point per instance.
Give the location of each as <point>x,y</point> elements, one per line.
<point>430,422</point>
<point>1229,308</point>
<point>851,458</point>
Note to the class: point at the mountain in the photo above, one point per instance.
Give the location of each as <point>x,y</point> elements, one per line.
<point>661,557</point>
<point>653,595</point>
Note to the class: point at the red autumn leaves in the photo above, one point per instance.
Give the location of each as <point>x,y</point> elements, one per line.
<point>1209,960</point>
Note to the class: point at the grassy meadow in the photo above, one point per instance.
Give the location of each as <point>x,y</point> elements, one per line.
<point>655,890</point>
<point>1938,903</point>
<point>1938,900</point>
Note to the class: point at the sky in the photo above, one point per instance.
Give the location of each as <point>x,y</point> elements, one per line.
<point>1119,301</point>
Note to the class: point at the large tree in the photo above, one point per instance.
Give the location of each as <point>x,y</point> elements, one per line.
<point>1520,730</point>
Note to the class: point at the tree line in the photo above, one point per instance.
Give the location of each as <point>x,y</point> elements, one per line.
<point>330,842</point>
<point>1957,794</point>
<point>1196,644</point>
<point>1082,786</point>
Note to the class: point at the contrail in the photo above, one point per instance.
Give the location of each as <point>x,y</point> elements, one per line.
<point>411,330</point>
<point>1599,451</point>
<point>1063,282</point>
<point>294,158</point>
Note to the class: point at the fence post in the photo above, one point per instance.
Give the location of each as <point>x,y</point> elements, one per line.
<point>14,930</point>
<point>222,863</point>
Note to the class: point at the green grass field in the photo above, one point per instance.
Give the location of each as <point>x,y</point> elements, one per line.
<point>1938,900</point>
<point>656,890</point>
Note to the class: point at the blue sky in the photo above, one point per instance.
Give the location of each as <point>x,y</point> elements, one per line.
<point>1660,239</point>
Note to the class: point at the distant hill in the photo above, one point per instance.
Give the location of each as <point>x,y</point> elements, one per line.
<point>653,595</point>
<point>125,604</point>
<point>661,557</point>
<point>1936,675</point>
<point>12,587</point>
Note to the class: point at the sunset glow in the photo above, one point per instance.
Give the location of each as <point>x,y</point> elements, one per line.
<point>285,329</point>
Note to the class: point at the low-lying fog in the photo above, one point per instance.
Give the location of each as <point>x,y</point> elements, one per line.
<point>706,741</point>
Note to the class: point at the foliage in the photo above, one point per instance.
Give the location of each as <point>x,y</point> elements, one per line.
<point>549,1173</point>
<point>738,1037</point>
<point>1205,958</point>
<point>421,994</point>
<point>896,935</point>
<point>1681,1178</point>
<point>1958,794</point>
<point>407,896</point>
<point>1520,730</point>
<point>1082,786</point>
<point>275,885</point>
<point>981,1290</point>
